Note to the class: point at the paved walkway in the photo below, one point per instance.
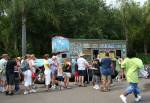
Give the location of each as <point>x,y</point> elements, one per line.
<point>79,95</point>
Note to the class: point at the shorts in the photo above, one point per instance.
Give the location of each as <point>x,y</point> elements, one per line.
<point>133,88</point>
<point>47,77</point>
<point>60,78</point>
<point>67,74</point>
<point>106,77</point>
<point>76,74</point>
<point>2,77</point>
<point>27,78</point>
<point>96,79</point>
<point>107,71</point>
<point>54,72</point>
<point>10,79</point>
<point>82,72</point>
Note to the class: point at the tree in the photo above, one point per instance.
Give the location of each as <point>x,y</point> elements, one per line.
<point>18,13</point>
<point>88,19</point>
<point>145,27</point>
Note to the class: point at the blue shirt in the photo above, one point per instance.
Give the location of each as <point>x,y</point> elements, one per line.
<point>106,66</point>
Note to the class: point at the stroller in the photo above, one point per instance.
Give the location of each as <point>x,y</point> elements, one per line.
<point>39,77</point>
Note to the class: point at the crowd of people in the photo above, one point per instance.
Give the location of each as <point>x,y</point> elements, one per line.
<point>14,71</point>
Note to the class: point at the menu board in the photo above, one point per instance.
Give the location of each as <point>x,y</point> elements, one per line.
<point>60,44</point>
<point>112,55</point>
<point>87,51</point>
<point>101,55</point>
<point>75,48</point>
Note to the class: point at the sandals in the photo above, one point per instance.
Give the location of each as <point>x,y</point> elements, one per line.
<point>105,89</point>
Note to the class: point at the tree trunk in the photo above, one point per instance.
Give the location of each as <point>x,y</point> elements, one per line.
<point>24,47</point>
<point>14,23</point>
<point>15,44</point>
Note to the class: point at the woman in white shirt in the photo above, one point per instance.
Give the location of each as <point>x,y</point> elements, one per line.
<point>82,65</point>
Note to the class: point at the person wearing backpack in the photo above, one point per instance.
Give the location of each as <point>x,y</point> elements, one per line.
<point>3,63</point>
<point>27,75</point>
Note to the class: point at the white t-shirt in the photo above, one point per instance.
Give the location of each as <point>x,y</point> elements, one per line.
<point>32,64</point>
<point>82,63</point>
<point>3,63</point>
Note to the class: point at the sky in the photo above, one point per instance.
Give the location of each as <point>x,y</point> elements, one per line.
<point>113,2</point>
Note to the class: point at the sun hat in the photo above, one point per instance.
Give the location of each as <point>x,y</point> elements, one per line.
<point>81,54</point>
<point>4,55</point>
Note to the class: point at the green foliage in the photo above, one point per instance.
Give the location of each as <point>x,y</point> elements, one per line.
<point>87,19</point>
<point>145,58</point>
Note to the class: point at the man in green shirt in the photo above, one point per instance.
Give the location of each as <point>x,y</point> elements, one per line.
<point>131,66</point>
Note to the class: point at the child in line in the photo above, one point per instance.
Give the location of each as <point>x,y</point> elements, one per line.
<point>96,74</point>
<point>76,74</point>
<point>60,76</point>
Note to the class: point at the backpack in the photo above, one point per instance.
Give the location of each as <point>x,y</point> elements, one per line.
<point>24,66</point>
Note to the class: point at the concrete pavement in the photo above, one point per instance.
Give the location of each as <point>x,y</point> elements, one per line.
<point>79,95</point>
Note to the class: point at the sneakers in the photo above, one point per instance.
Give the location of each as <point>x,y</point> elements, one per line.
<point>3,90</point>
<point>138,98</point>
<point>26,92</point>
<point>32,91</point>
<point>123,98</point>
<point>53,87</point>
<point>96,87</point>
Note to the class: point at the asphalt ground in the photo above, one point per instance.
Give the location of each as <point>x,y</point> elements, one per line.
<point>79,95</point>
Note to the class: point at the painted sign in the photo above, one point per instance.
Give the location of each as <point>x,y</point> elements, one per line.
<point>60,44</point>
<point>75,48</point>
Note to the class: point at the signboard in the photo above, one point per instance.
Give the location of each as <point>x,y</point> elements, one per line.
<point>111,45</point>
<point>75,48</point>
<point>86,45</point>
<point>94,45</point>
<point>112,55</point>
<point>101,55</point>
<point>87,52</point>
<point>60,44</point>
